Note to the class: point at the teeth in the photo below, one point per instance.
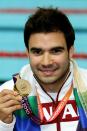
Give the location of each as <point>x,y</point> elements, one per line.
<point>47,71</point>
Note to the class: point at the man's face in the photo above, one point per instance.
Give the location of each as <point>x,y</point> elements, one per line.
<point>49,57</point>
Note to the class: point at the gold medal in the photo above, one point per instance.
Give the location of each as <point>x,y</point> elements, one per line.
<point>23,87</point>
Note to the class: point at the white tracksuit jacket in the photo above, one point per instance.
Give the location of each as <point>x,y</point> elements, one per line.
<point>68,119</point>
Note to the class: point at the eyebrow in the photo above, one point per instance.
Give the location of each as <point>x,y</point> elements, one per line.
<point>53,48</point>
<point>58,48</point>
<point>35,48</point>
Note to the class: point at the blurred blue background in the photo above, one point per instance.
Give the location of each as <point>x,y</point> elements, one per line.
<point>13,15</point>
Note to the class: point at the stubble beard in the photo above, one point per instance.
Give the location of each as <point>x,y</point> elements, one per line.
<point>48,80</point>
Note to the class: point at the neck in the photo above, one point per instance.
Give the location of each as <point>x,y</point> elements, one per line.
<point>52,88</point>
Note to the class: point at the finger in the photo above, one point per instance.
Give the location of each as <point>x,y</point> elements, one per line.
<point>8,97</point>
<point>10,110</point>
<point>6,91</point>
<point>9,104</point>
<point>15,107</point>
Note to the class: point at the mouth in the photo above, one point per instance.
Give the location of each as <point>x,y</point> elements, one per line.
<point>48,72</point>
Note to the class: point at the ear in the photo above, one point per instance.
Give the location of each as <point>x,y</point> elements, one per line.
<point>27,53</point>
<point>71,51</point>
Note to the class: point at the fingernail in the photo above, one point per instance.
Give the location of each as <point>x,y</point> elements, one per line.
<point>16,93</point>
<point>20,97</point>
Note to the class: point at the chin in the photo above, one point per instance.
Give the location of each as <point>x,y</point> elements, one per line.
<point>48,80</point>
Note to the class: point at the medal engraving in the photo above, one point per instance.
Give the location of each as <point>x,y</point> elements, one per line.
<point>23,87</point>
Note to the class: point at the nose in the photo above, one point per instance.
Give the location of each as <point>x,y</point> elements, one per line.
<point>46,59</point>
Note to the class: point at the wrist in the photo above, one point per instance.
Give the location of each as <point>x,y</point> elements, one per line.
<point>8,120</point>
<point>7,127</point>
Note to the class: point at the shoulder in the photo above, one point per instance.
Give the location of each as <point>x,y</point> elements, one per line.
<point>7,85</point>
<point>83,73</point>
<point>25,73</point>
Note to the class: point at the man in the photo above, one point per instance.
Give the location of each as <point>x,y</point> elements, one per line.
<point>49,93</point>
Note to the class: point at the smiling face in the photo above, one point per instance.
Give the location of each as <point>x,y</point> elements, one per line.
<point>49,57</point>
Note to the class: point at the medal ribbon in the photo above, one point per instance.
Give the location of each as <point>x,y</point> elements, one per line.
<point>40,108</point>
<point>28,110</point>
<point>59,107</point>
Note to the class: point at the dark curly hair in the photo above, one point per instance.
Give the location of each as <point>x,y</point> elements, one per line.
<point>46,20</point>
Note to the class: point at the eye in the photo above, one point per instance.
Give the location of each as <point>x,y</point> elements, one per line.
<point>55,51</point>
<point>36,51</point>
